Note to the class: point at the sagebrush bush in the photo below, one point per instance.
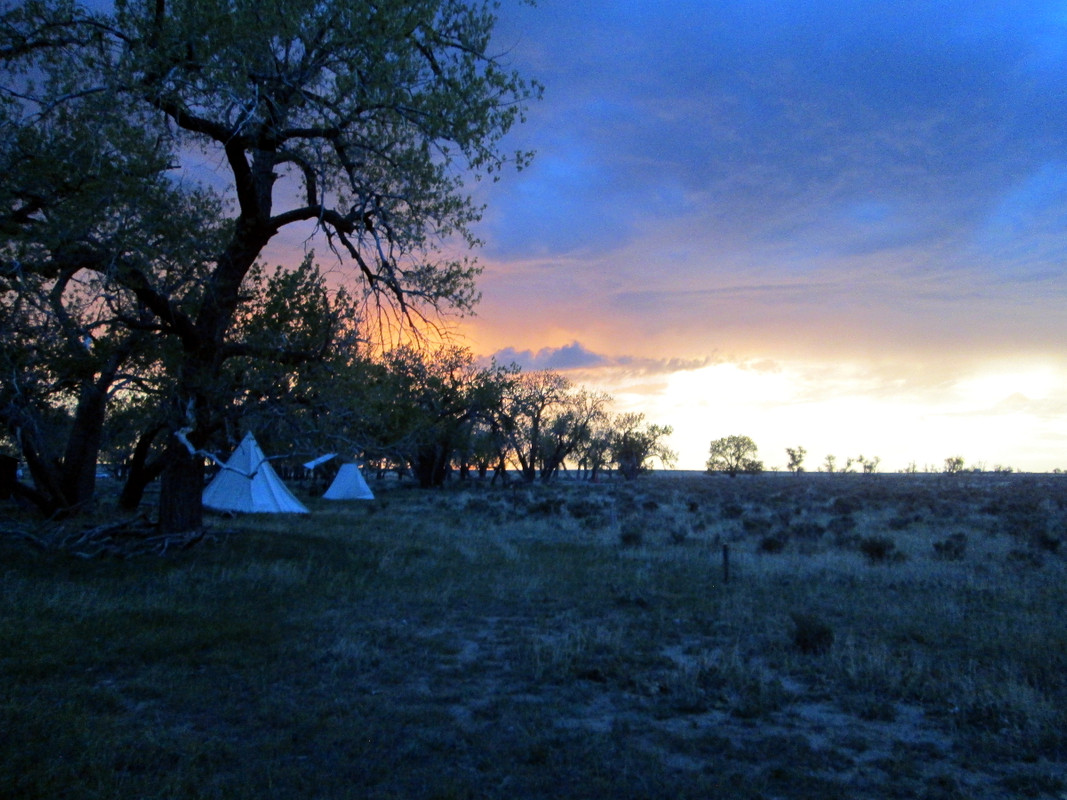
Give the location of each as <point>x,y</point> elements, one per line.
<point>545,507</point>
<point>632,533</point>
<point>842,528</point>
<point>952,548</point>
<point>879,549</point>
<point>806,530</point>
<point>811,635</point>
<point>757,526</point>
<point>774,543</point>
<point>731,510</point>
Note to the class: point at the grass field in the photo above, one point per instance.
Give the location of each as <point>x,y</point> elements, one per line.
<point>885,636</point>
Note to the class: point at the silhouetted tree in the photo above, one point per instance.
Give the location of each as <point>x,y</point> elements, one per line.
<point>423,405</point>
<point>869,465</point>
<point>570,427</point>
<point>954,465</point>
<point>84,199</point>
<point>734,454</point>
<point>531,408</point>
<point>634,443</point>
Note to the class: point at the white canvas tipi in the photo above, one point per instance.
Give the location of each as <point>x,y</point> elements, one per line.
<point>349,485</point>
<point>248,483</point>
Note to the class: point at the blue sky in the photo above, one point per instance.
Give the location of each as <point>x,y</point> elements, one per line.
<point>760,119</point>
<point>867,200</point>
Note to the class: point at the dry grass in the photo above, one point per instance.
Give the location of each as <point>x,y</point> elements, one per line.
<point>572,640</point>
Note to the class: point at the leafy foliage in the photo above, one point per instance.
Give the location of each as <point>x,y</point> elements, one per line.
<point>954,465</point>
<point>796,459</point>
<point>358,120</point>
<point>634,443</point>
<point>733,454</point>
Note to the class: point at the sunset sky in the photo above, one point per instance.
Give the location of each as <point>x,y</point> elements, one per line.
<point>840,225</point>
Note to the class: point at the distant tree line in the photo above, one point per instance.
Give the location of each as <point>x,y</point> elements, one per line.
<point>440,413</point>
<point>733,455</point>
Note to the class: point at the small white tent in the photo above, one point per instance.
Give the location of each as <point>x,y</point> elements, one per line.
<point>349,485</point>
<point>247,483</point>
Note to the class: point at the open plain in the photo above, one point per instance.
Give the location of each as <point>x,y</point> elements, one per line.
<point>775,636</point>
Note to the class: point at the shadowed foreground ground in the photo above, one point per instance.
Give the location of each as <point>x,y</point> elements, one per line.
<point>880,636</point>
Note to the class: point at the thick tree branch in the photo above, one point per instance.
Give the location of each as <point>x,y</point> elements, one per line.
<point>275,354</point>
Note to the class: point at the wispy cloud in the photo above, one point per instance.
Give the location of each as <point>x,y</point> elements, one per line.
<point>576,357</point>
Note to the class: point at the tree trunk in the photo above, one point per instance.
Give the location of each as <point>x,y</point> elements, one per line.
<point>47,491</point>
<point>9,466</point>
<point>83,445</point>
<point>630,466</point>
<point>430,465</point>
<point>180,491</point>
<point>554,460</point>
<point>140,471</point>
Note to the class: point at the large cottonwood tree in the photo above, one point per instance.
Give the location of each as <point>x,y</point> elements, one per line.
<point>83,196</point>
<point>357,119</point>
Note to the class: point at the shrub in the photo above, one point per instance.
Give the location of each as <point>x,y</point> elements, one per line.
<point>586,510</point>
<point>810,634</point>
<point>902,521</point>
<point>774,543</point>
<point>731,510</point>
<point>756,526</point>
<point>879,549</point>
<point>632,533</point>
<point>1025,558</point>
<point>842,529</point>
<point>478,505</point>
<point>951,548</point>
<point>545,507</point>
<point>806,530</point>
<point>678,534</point>
<point>845,505</point>
<point>1044,540</point>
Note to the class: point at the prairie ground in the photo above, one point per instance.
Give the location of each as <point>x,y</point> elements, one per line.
<point>776,636</point>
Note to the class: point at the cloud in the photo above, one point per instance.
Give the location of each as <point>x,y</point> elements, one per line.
<point>571,356</point>
<point>796,117</point>
<point>654,366</point>
<point>576,357</point>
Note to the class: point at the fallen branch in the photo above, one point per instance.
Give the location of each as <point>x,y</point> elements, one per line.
<point>126,539</point>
